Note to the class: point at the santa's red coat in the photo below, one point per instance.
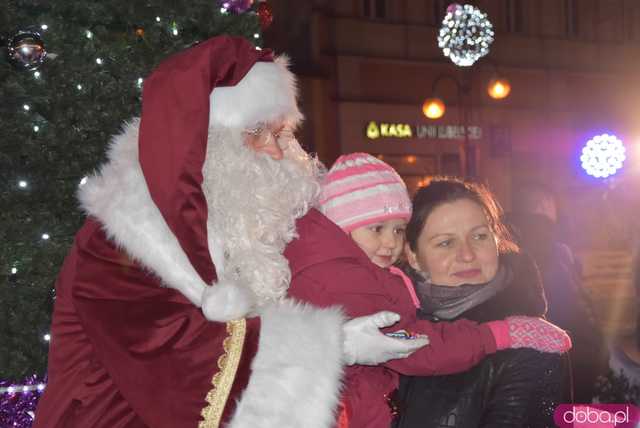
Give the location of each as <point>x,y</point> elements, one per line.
<point>125,351</point>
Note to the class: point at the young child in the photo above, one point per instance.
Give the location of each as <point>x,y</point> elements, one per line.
<point>368,202</point>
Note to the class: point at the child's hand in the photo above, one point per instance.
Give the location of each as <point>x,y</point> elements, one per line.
<point>530,332</point>
<point>365,344</point>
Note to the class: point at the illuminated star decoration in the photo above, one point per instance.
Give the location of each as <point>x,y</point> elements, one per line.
<point>465,35</point>
<point>602,156</point>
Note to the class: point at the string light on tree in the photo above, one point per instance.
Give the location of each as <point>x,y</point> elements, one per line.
<point>174,28</point>
<point>465,35</point>
<point>23,184</point>
<point>24,388</point>
<point>46,236</point>
<point>88,34</point>
<point>603,156</point>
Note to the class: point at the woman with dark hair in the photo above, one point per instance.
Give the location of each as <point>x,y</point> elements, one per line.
<point>465,265</point>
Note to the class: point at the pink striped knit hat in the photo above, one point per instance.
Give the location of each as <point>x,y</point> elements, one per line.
<point>360,189</point>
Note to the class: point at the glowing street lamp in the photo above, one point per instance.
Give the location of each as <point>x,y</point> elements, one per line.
<point>499,88</point>
<point>433,108</point>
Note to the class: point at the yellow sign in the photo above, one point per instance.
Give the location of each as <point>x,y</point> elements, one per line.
<point>397,130</point>
<point>373,131</point>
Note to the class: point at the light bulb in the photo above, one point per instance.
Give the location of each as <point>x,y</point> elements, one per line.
<point>433,108</point>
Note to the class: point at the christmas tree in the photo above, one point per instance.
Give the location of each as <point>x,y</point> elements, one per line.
<point>71,72</point>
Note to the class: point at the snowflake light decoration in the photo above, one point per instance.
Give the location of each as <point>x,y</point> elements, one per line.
<point>465,35</point>
<point>603,156</point>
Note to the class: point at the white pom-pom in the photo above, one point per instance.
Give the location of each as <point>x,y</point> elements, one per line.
<point>224,301</point>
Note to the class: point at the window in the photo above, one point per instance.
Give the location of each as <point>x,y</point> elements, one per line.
<point>515,16</point>
<point>572,18</point>
<point>439,11</point>
<point>375,9</point>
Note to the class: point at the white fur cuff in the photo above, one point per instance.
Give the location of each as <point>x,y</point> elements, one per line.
<point>296,374</point>
<point>224,301</point>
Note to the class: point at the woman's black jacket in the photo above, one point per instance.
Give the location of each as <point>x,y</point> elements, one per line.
<point>512,388</point>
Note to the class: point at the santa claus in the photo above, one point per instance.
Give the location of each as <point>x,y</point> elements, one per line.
<point>169,308</point>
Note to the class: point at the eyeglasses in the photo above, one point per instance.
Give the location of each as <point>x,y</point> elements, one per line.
<point>264,136</point>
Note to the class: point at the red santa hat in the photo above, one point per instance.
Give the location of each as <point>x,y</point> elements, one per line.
<point>224,81</point>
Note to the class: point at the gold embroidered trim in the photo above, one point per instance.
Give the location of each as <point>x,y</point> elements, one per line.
<point>223,380</point>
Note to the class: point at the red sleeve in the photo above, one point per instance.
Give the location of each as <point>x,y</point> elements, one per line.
<point>148,338</point>
<point>454,346</point>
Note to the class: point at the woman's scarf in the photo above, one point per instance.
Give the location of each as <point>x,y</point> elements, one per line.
<point>450,302</point>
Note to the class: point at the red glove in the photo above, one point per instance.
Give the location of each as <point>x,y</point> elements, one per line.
<point>529,332</point>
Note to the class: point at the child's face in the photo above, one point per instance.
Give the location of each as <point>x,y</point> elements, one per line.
<point>382,242</point>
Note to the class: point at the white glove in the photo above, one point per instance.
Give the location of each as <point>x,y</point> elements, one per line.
<point>365,344</point>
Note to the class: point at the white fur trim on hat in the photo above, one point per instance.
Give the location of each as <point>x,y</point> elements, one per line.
<point>268,92</point>
<point>135,223</point>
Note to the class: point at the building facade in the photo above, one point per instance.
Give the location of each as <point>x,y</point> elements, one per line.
<point>367,66</point>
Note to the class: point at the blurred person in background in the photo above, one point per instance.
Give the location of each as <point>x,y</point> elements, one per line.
<point>534,223</point>
<point>622,383</point>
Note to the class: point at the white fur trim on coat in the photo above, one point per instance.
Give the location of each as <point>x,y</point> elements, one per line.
<point>267,92</point>
<point>119,198</point>
<point>226,301</point>
<point>295,378</point>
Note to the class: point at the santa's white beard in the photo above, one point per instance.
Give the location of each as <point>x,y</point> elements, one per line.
<point>253,203</point>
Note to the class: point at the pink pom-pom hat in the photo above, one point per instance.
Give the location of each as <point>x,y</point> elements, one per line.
<point>360,189</point>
